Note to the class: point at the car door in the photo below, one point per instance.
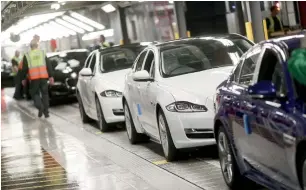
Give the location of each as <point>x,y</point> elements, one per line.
<point>148,96</point>
<point>237,100</point>
<point>83,80</point>
<point>134,87</point>
<point>272,125</point>
<point>91,88</point>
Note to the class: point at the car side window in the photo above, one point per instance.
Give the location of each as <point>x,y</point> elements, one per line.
<point>248,68</point>
<point>92,63</point>
<point>235,74</point>
<point>271,69</point>
<point>140,61</point>
<point>149,61</point>
<point>86,65</point>
<point>152,70</point>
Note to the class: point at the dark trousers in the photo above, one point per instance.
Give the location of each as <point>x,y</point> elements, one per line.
<point>40,94</point>
<point>18,88</point>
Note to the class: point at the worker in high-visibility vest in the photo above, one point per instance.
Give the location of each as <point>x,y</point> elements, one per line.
<point>103,43</point>
<point>39,71</point>
<point>17,82</point>
<point>274,22</point>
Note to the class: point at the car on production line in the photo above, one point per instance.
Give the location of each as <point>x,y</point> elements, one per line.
<point>7,79</point>
<point>260,124</point>
<point>168,93</point>
<point>101,82</point>
<point>66,66</point>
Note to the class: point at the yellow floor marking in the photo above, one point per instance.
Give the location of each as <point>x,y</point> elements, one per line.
<point>32,178</point>
<point>54,170</point>
<point>160,162</point>
<point>98,132</point>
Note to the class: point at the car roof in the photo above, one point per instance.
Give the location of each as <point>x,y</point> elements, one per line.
<point>118,47</point>
<point>66,51</point>
<point>292,41</point>
<point>163,45</point>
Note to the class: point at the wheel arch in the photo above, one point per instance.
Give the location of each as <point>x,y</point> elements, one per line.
<point>300,153</point>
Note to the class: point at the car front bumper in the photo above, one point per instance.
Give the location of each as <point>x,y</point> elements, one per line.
<point>112,109</point>
<point>66,88</point>
<point>190,130</point>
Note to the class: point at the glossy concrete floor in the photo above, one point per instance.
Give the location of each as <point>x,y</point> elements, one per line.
<point>37,154</point>
<point>63,153</point>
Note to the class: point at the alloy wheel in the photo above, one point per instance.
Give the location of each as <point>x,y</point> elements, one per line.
<point>163,135</point>
<point>99,115</point>
<point>304,175</point>
<point>225,157</point>
<point>81,110</point>
<point>127,121</point>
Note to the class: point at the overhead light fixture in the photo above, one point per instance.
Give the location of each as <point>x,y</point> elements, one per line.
<point>171,2</point>
<point>87,20</point>
<point>78,23</point>
<point>70,26</point>
<point>66,32</point>
<point>108,8</point>
<point>94,35</point>
<point>55,6</point>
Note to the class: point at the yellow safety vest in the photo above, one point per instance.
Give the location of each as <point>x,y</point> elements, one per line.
<point>17,59</point>
<point>271,28</point>
<point>37,64</point>
<point>104,45</point>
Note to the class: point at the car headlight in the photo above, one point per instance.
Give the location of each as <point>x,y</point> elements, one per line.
<point>185,107</point>
<point>111,93</point>
<point>73,75</point>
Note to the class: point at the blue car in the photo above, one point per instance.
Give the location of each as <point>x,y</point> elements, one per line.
<point>260,122</point>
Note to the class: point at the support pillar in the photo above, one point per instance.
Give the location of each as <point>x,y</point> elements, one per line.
<point>241,18</point>
<point>256,20</point>
<point>125,36</point>
<point>179,10</point>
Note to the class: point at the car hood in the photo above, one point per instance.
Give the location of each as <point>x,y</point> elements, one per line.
<point>198,86</point>
<point>114,80</point>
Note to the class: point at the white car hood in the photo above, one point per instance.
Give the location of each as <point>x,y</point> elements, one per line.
<point>196,87</point>
<point>113,80</point>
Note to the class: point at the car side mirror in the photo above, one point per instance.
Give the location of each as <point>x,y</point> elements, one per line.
<point>142,76</point>
<point>86,72</point>
<point>262,89</point>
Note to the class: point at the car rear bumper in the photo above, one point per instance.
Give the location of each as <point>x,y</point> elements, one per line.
<point>190,130</point>
<point>66,88</point>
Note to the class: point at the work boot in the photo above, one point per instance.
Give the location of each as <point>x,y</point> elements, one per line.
<point>47,115</point>
<point>40,113</point>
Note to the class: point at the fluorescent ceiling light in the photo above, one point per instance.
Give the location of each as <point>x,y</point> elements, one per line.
<point>70,26</point>
<point>78,23</point>
<point>55,6</point>
<point>171,2</point>
<point>59,29</point>
<point>94,35</point>
<point>87,20</point>
<point>108,8</point>
<point>64,29</point>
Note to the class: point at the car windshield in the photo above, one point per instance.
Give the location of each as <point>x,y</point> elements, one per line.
<point>188,56</point>
<point>118,59</point>
<point>73,60</point>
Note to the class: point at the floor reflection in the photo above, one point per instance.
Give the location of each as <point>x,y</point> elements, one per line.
<point>25,164</point>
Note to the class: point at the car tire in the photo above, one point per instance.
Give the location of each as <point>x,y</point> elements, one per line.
<point>169,149</point>
<point>133,135</point>
<point>302,171</point>
<point>84,116</point>
<point>229,167</point>
<point>103,126</point>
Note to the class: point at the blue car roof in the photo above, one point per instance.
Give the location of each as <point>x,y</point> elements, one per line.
<point>292,41</point>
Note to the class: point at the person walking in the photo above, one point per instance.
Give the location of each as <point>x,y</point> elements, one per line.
<point>103,43</point>
<point>39,71</point>
<point>17,82</point>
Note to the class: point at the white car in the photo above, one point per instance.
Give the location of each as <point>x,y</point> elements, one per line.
<point>101,82</point>
<point>168,94</point>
